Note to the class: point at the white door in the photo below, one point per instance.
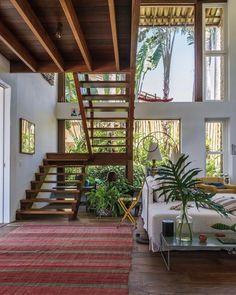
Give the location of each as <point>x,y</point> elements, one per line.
<point>4,154</point>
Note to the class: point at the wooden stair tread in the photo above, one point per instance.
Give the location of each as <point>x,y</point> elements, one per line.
<point>106,97</point>
<point>109,146</point>
<point>107,128</point>
<point>106,119</point>
<point>46,200</point>
<point>59,173</point>
<point>65,160</point>
<point>46,211</point>
<point>107,109</point>
<point>60,166</point>
<point>104,84</point>
<point>52,191</point>
<point>109,138</point>
<point>57,181</point>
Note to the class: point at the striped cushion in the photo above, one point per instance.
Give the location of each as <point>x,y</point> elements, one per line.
<point>228,202</point>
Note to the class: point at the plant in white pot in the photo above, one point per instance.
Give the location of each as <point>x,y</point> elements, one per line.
<point>177,183</point>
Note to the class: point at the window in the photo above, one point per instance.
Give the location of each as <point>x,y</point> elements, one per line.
<point>165,57</point>
<point>215,52</point>
<point>215,142</point>
<point>177,59</point>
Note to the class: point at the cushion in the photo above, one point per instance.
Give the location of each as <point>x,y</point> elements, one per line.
<point>228,202</point>
<point>216,184</point>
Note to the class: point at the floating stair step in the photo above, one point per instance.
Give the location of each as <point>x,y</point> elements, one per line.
<point>108,146</point>
<point>108,128</point>
<point>69,161</point>
<point>61,191</point>
<point>108,138</point>
<point>44,212</point>
<point>56,181</point>
<point>46,200</point>
<point>105,97</point>
<point>107,119</point>
<point>61,174</point>
<point>104,84</point>
<point>107,109</point>
<point>61,166</point>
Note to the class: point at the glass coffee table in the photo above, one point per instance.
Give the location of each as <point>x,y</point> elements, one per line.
<point>168,244</point>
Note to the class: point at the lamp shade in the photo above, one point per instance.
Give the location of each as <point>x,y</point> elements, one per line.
<point>154,152</point>
<point>175,156</point>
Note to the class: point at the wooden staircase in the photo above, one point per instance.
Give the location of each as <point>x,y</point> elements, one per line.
<point>104,101</point>
<point>56,189</point>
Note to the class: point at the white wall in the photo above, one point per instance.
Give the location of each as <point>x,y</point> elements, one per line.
<point>4,64</point>
<point>35,100</point>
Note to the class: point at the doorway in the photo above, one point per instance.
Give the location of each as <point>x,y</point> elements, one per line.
<point>4,153</point>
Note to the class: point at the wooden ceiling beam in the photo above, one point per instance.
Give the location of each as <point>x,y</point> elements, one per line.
<point>112,13</point>
<point>11,42</point>
<point>49,67</point>
<point>30,18</point>
<point>82,111</point>
<point>74,24</point>
<point>134,32</point>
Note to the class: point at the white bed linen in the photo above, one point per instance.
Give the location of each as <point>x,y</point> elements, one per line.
<point>203,218</point>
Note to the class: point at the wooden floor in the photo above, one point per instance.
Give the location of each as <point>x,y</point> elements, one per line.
<point>192,272</point>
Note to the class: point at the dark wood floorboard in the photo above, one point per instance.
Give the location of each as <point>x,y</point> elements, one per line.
<point>200,272</point>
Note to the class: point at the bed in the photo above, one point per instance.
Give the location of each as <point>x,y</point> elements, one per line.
<point>203,218</point>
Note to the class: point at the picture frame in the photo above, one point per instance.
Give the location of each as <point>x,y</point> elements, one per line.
<point>27,137</point>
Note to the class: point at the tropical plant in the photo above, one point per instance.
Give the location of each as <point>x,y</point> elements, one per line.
<point>178,184</point>
<point>104,200</point>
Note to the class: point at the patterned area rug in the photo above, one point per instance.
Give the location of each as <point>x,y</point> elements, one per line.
<point>66,259</point>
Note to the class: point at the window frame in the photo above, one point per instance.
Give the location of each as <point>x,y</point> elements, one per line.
<point>215,53</point>
<point>224,151</point>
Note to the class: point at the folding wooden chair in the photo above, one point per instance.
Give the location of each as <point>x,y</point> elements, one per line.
<point>127,204</point>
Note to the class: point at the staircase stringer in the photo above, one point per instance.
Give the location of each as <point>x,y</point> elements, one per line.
<point>82,112</point>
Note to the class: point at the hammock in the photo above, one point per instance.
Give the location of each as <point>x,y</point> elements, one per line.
<point>144,96</point>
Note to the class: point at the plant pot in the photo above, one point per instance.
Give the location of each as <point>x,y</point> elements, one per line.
<point>184,223</point>
<point>104,213</point>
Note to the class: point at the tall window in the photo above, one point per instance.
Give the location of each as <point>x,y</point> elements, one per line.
<point>215,51</point>
<point>165,57</point>
<point>215,142</point>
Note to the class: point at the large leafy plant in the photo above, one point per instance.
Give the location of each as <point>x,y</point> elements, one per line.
<point>179,183</point>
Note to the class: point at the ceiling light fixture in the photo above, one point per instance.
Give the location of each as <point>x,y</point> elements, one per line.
<point>58,33</point>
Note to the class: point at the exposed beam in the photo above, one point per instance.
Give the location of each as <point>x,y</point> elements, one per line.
<point>112,13</point>
<point>198,52</point>
<point>73,21</point>
<point>134,31</point>
<point>10,40</point>
<point>49,67</point>
<point>30,18</point>
<point>82,111</point>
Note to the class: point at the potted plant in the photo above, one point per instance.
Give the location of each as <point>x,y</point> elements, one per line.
<point>178,184</point>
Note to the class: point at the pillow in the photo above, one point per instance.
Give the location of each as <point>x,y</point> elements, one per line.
<point>228,202</point>
<point>216,184</point>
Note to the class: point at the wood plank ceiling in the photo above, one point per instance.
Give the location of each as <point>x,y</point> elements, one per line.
<point>95,35</point>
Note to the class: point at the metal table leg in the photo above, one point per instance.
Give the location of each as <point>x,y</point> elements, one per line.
<point>166,258</point>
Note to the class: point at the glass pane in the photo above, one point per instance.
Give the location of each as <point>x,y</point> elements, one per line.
<point>215,82</point>
<point>214,30</point>
<point>74,137</point>
<point>214,165</point>
<point>70,92</point>
<point>214,137</point>
<point>165,54</point>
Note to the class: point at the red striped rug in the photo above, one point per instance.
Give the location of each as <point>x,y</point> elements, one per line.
<point>65,259</point>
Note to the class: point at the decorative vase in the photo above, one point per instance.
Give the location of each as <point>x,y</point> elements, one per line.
<point>184,223</point>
